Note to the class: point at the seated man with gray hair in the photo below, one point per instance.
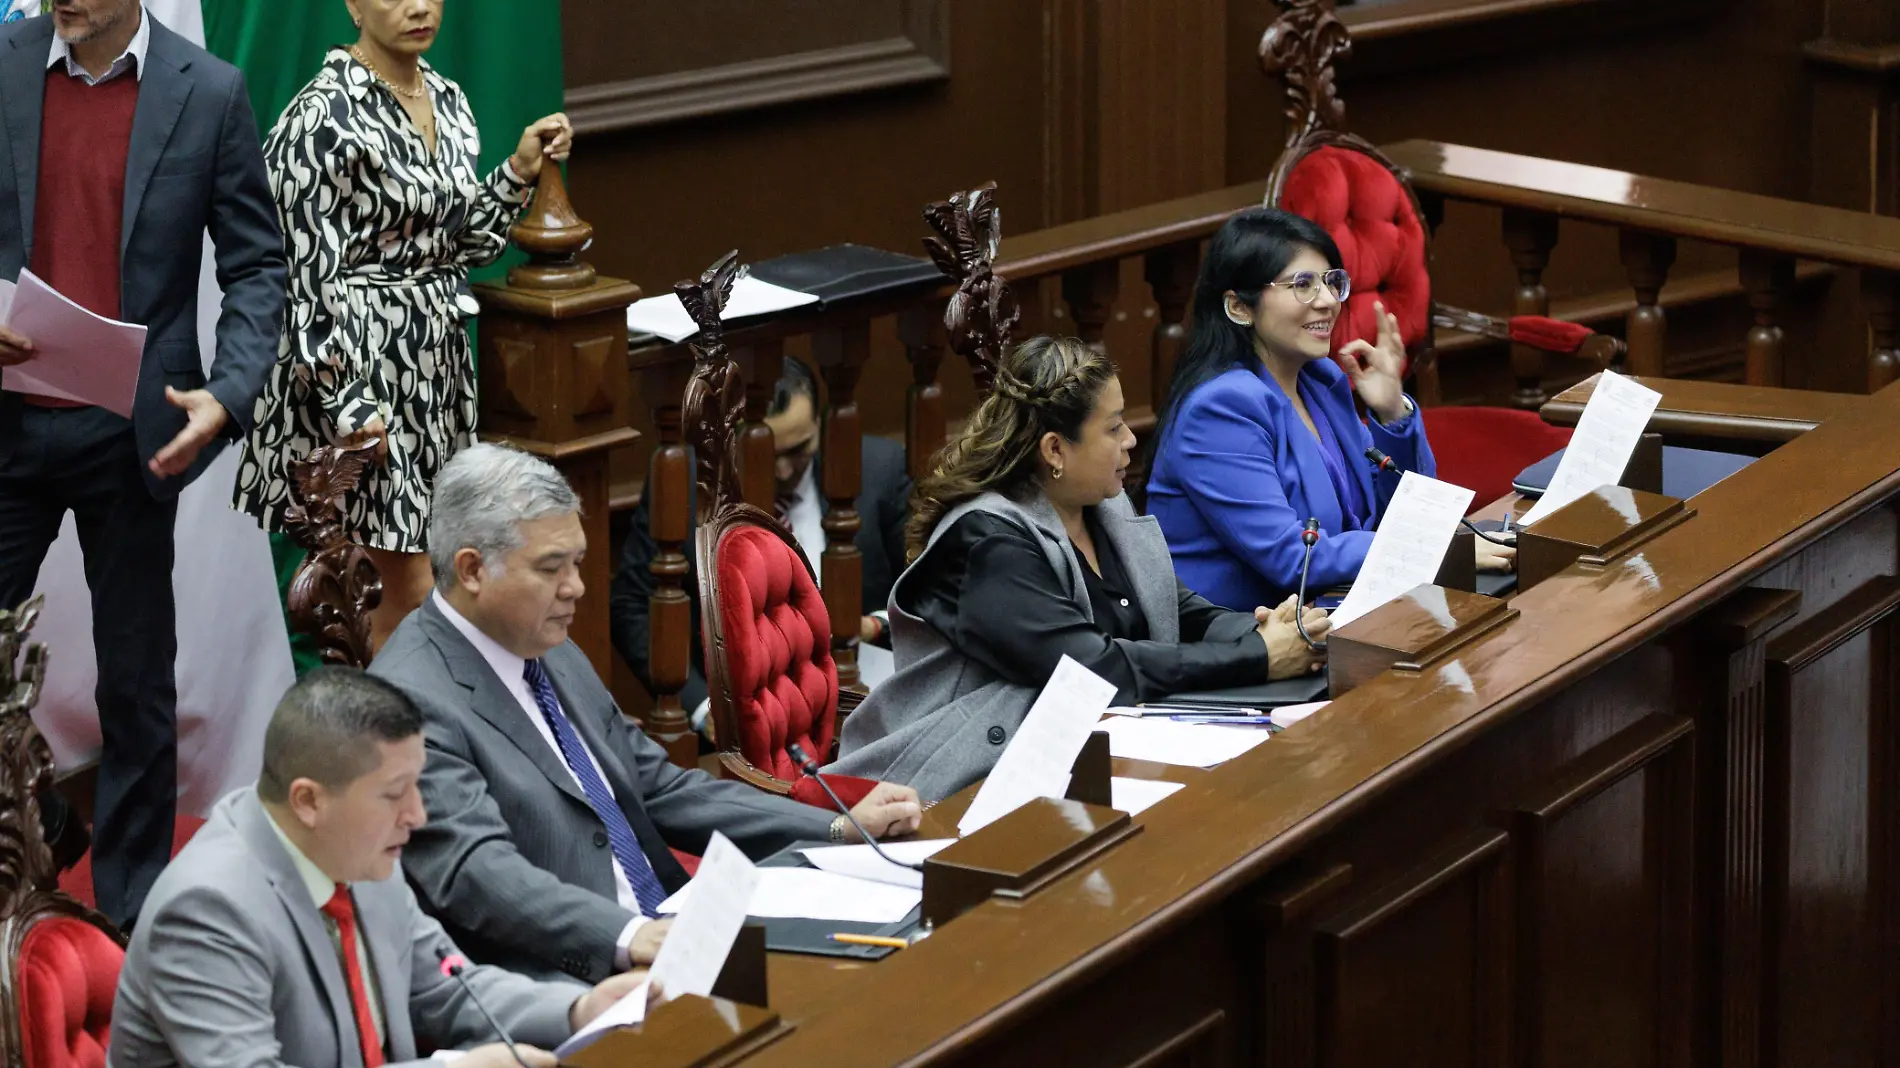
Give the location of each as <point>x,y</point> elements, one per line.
<point>551,815</point>
<point>283,933</point>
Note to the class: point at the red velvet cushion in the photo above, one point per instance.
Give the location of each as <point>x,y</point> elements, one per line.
<point>69,970</point>
<point>778,650</point>
<point>1370,217</point>
<point>849,788</point>
<point>1483,449</point>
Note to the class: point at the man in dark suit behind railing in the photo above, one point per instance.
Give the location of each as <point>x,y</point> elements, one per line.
<point>883,509</point>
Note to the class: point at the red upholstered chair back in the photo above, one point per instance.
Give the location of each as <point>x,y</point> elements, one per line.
<point>1352,193</point>
<point>769,666</point>
<point>63,979</point>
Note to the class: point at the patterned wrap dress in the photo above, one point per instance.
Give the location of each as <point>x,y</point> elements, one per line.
<point>380,238</point>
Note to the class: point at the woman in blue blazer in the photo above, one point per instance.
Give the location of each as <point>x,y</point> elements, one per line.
<point>1261,431</point>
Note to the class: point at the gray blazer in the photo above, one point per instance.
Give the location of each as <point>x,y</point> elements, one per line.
<point>513,861</point>
<point>196,164</point>
<point>940,722</point>
<point>231,966</point>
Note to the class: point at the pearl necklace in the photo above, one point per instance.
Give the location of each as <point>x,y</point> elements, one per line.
<point>422,84</point>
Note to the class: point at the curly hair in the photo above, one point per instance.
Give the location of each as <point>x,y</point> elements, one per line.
<point>1047,384</point>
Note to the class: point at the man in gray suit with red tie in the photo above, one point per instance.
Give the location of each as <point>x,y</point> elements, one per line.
<point>121,146</point>
<point>284,934</point>
<point>550,815</point>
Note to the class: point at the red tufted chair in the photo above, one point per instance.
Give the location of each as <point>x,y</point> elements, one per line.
<point>770,675</point>
<point>1369,208</point>
<point>59,960</point>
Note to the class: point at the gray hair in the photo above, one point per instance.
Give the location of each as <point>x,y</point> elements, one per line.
<point>327,726</point>
<point>482,496</point>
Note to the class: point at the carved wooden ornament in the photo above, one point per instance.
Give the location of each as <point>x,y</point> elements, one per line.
<point>333,593</point>
<point>1302,46</point>
<point>982,314</point>
<point>715,394</point>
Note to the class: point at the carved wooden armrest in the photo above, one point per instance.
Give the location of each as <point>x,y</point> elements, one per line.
<point>734,766</point>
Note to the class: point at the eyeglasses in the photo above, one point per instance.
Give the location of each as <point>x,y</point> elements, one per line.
<point>1305,285</point>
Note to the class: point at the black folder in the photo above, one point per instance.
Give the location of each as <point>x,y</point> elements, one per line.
<point>1685,472</point>
<point>848,272</point>
<point>1295,691</point>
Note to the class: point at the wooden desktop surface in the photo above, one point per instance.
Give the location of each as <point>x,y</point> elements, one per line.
<point>1649,821</point>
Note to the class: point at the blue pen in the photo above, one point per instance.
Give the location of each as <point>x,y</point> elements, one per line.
<point>1228,721</point>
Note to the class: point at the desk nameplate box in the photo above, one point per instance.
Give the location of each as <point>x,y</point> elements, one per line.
<point>1594,529</point>
<point>1410,633</point>
<point>687,1032</point>
<point>1019,854</point>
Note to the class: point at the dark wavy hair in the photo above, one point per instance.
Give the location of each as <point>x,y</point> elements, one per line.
<point>1248,251</point>
<point>1046,384</point>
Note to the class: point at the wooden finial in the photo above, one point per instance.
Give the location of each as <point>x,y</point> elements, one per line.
<point>552,235</point>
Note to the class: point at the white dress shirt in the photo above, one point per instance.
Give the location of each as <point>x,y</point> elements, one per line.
<point>510,669</point>
<point>807,514</point>
<point>132,59</point>
<point>322,888</point>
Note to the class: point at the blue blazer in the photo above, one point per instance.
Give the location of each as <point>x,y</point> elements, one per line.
<point>1238,475</point>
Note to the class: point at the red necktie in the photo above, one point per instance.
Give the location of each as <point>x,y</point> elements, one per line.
<point>342,909</point>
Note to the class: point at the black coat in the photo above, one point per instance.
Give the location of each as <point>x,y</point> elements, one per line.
<point>883,509</point>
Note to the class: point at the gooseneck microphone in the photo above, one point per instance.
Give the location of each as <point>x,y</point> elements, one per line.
<point>1382,462</point>
<point>1309,536</point>
<point>810,767</point>
<point>453,965</point>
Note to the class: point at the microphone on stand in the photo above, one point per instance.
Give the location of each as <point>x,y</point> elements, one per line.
<point>453,965</point>
<point>810,767</point>
<point>1309,536</point>
<point>1382,462</point>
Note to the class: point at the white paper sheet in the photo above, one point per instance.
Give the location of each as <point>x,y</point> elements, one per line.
<point>696,948</point>
<point>1189,745</point>
<point>78,356</point>
<point>1288,715</point>
<point>1607,432</point>
<point>1037,762</point>
<point>1135,796</point>
<point>626,1012</point>
<point>666,316</point>
<point>802,893</point>
<point>860,862</point>
<point>6,299</point>
<point>1410,546</point>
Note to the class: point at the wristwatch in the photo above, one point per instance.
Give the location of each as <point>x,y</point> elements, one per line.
<point>838,824</point>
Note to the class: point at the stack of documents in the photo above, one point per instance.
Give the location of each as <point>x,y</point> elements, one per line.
<point>77,356</point>
<point>805,893</point>
<point>862,862</point>
<point>1193,745</point>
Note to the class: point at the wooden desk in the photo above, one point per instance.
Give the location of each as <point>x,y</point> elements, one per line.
<point>1651,821</point>
<point>1717,415</point>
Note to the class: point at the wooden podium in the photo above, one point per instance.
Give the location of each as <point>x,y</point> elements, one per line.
<point>552,360</point>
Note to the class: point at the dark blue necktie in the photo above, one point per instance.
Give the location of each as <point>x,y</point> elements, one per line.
<point>639,871</point>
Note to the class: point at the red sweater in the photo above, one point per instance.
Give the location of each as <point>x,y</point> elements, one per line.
<point>85,134</point>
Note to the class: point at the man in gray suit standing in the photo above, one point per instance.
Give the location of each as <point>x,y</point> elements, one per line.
<point>285,934</point>
<point>551,816</point>
<point>121,145</point>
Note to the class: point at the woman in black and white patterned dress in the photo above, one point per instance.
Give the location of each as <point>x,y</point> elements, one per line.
<point>373,165</point>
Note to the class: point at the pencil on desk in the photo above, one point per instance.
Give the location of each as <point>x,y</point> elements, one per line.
<point>870,940</point>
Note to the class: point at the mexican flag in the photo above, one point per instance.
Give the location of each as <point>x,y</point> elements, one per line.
<point>234,651</point>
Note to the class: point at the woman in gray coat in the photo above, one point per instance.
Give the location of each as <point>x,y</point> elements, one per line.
<point>1025,549</point>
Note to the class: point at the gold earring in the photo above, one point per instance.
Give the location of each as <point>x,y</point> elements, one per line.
<point>1055,472</point>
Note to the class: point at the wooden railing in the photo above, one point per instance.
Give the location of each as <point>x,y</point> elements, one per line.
<point>1768,234</point>
<point>1087,259</point>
